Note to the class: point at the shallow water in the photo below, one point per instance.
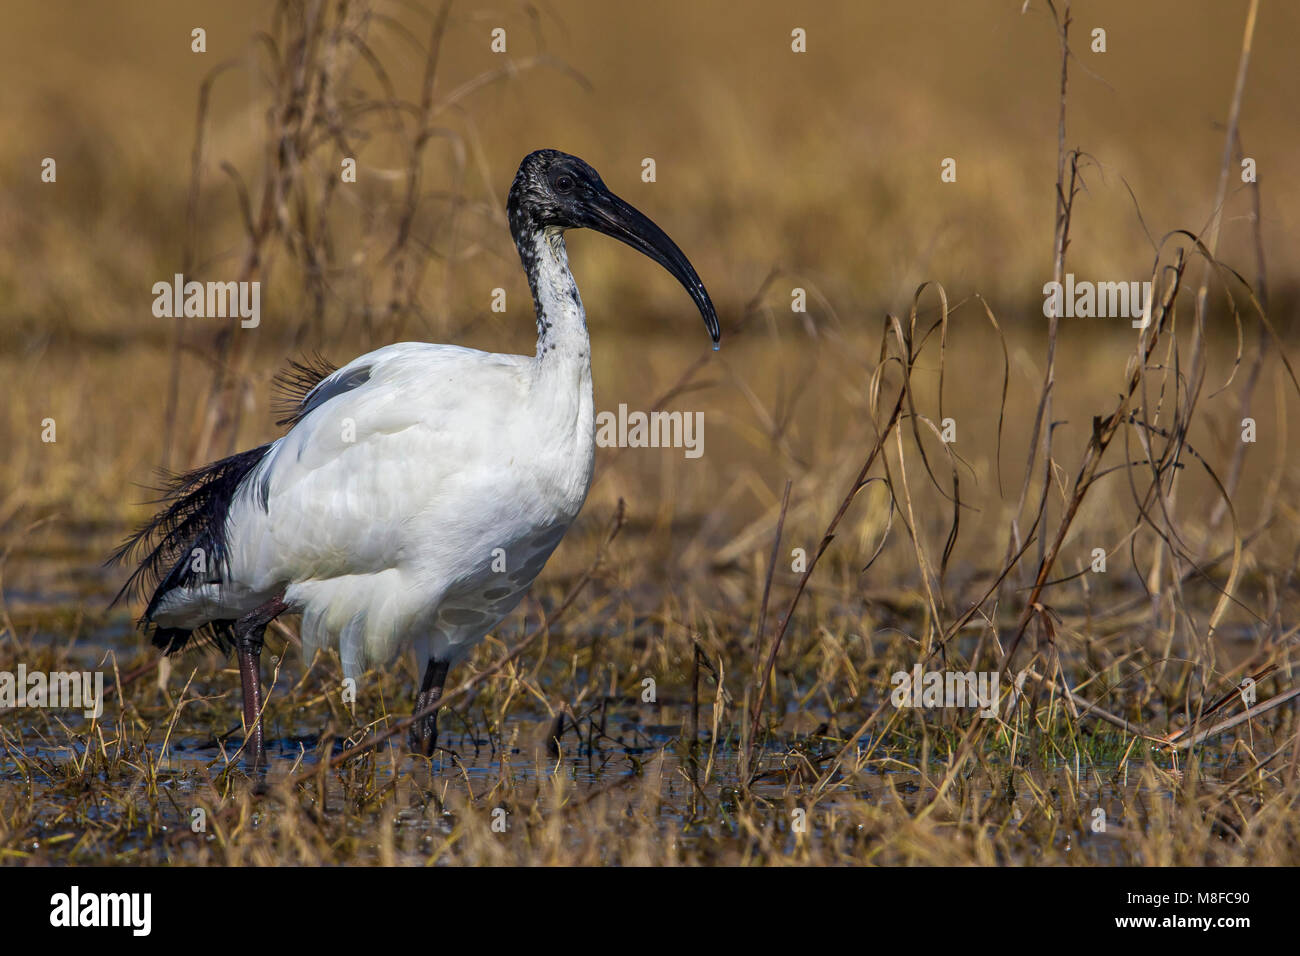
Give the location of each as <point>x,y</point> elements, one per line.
<point>615,747</point>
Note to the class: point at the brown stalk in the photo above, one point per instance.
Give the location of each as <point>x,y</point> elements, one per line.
<point>858,484</point>
<point>1103,430</point>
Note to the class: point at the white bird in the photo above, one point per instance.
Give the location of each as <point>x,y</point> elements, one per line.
<point>420,488</point>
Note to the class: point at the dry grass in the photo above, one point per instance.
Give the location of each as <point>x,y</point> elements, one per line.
<point>773,738</point>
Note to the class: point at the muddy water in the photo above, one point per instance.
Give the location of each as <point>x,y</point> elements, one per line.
<point>55,591</point>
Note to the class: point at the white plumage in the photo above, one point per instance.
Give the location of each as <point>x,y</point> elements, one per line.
<point>448,479</point>
<point>421,488</point>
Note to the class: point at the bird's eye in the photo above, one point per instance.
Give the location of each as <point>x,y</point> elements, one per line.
<point>563,183</point>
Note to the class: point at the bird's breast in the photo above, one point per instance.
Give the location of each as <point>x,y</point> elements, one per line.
<point>559,429</point>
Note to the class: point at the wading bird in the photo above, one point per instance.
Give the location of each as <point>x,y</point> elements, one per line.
<point>419,489</point>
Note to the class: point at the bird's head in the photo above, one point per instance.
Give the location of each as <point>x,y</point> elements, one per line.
<point>554,190</point>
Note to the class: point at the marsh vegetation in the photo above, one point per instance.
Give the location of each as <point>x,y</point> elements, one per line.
<point>919,470</point>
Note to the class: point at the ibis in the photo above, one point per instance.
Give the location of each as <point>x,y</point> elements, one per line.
<point>418,490</point>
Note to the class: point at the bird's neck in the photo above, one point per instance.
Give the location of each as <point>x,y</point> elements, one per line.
<point>561,322</point>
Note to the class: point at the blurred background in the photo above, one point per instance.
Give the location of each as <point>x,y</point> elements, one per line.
<point>774,170</point>
<point>782,175</point>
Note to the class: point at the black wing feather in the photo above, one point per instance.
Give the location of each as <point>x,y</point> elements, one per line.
<point>196,509</point>
<point>197,504</point>
<point>294,382</point>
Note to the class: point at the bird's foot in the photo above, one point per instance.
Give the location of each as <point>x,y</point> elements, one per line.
<point>423,735</point>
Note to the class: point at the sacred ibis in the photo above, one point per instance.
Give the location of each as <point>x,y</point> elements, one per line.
<point>419,489</point>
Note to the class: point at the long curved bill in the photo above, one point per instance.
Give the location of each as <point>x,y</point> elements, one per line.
<point>623,221</point>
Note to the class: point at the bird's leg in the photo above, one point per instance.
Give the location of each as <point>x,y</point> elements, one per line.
<point>424,732</point>
<point>250,657</point>
<point>249,633</point>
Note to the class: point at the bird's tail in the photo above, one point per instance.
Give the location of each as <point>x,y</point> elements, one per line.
<point>184,545</point>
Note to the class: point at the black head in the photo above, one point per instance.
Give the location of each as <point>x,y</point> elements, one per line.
<point>554,190</point>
